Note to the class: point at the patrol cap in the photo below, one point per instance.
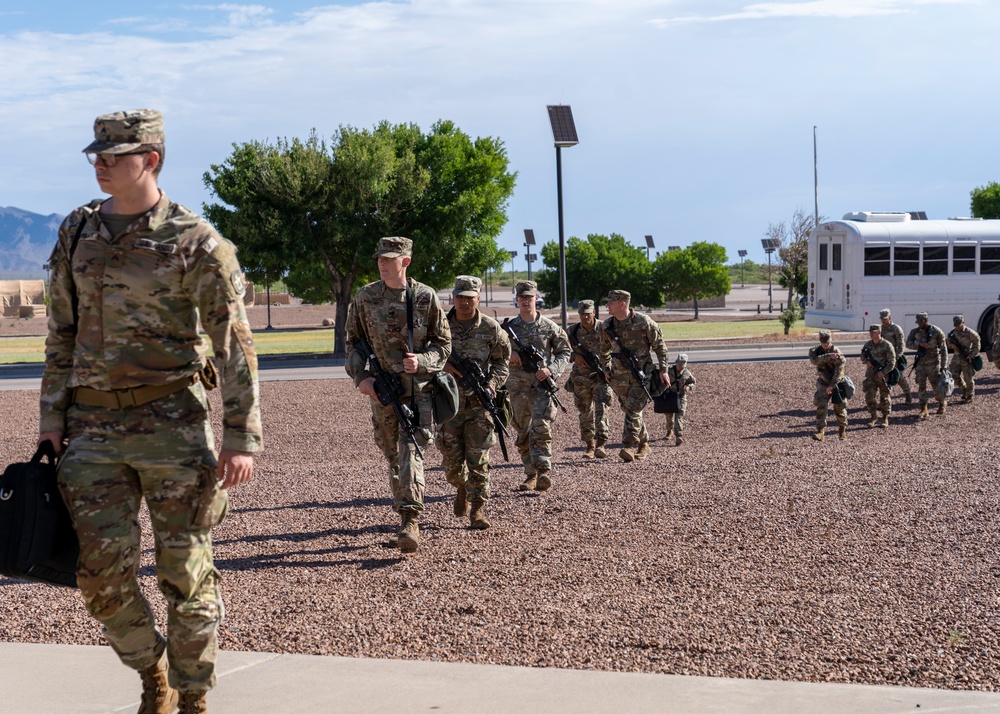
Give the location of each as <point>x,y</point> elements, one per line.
<point>126,131</point>
<point>393,247</point>
<point>585,306</point>
<point>875,328</point>
<point>884,313</point>
<point>682,358</point>
<point>921,317</point>
<point>526,287</point>
<point>958,320</point>
<point>467,286</point>
<point>824,336</point>
<point>619,295</point>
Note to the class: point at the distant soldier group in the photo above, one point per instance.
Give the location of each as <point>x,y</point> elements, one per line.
<point>885,364</point>
<point>399,338</point>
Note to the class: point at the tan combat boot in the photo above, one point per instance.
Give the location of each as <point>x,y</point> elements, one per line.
<point>885,421</point>
<point>157,696</point>
<point>643,452</point>
<point>409,532</point>
<point>544,481</point>
<point>923,411</point>
<point>941,407</point>
<point>872,420</point>
<point>476,518</point>
<point>461,503</point>
<point>599,451</point>
<point>680,440</point>
<point>627,454</point>
<point>842,432</point>
<point>589,453</point>
<point>192,703</point>
<point>528,484</point>
<point>909,397</point>
<point>818,435</point>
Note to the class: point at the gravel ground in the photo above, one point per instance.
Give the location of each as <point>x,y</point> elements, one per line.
<point>751,551</point>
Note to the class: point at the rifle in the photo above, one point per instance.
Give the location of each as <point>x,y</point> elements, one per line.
<point>591,359</point>
<point>532,361</point>
<point>628,358</point>
<point>953,339</point>
<point>388,388</point>
<point>474,379</point>
<point>867,356</point>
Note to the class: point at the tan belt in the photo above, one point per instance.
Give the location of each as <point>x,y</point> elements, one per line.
<point>126,398</point>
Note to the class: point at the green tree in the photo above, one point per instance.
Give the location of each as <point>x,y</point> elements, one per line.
<point>986,200</point>
<point>594,267</point>
<point>694,273</point>
<point>315,212</point>
<point>792,267</point>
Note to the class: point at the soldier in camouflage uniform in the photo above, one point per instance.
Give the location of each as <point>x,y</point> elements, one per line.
<point>124,388</point>
<point>931,358</point>
<point>894,334</point>
<point>682,382</point>
<point>829,363</point>
<point>465,440</point>
<point>880,350</point>
<point>591,392</point>
<point>963,339</point>
<point>534,408</point>
<point>379,313</point>
<point>641,336</point>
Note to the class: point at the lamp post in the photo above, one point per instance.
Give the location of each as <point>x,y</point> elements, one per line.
<point>743,281</point>
<point>649,245</point>
<point>529,240</point>
<point>513,254</point>
<point>770,245</point>
<point>563,134</point>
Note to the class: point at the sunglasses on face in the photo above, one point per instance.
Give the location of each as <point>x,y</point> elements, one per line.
<point>109,160</point>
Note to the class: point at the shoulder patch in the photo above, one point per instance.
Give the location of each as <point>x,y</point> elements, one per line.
<point>239,282</point>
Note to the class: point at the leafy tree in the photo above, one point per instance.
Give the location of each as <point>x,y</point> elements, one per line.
<point>596,266</point>
<point>986,200</point>
<point>314,212</point>
<point>792,267</point>
<point>694,273</point>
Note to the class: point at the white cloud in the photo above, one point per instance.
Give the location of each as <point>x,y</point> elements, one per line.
<point>840,9</point>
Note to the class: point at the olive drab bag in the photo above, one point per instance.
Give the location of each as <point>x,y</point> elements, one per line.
<point>37,540</point>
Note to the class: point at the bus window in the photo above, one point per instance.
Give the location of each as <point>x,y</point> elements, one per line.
<point>836,255</point>
<point>989,260</point>
<point>935,260</point>
<point>876,260</point>
<point>963,259</point>
<point>907,261</point>
<point>822,257</point>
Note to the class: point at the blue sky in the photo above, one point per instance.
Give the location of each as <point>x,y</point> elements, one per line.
<point>695,117</point>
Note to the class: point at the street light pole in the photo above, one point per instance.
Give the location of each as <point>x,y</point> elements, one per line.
<point>743,281</point>
<point>513,254</point>
<point>563,134</point>
<point>770,245</point>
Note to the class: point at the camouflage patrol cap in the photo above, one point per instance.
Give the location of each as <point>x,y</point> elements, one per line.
<point>884,313</point>
<point>958,320</point>
<point>824,336</point>
<point>921,317</point>
<point>126,131</point>
<point>393,247</point>
<point>526,287</point>
<point>875,328</point>
<point>619,295</point>
<point>681,358</point>
<point>467,286</point>
<point>585,306</point>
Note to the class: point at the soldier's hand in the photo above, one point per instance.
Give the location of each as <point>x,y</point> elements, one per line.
<point>367,387</point>
<point>665,379</point>
<point>450,369</point>
<point>55,438</point>
<point>580,361</point>
<point>410,363</point>
<point>515,359</point>
<point>543,374</point>
<point>235,467</point>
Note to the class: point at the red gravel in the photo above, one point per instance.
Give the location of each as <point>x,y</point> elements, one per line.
<point>751,551</point>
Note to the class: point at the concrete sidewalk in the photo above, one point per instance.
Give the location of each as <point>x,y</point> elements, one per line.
<point>65,679</point>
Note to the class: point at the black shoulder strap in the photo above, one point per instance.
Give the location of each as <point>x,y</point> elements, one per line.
<point>72,250</point>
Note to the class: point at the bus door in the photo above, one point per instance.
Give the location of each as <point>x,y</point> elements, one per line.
<point>830,273</point>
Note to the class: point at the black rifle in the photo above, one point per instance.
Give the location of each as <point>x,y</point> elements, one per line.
<point>953,338</point>
<point>589,357</point>
<point>867,355</point>
<point>532,361</point>
<point>388,389</point>
<point>474,379</point>
<point>627,357</point>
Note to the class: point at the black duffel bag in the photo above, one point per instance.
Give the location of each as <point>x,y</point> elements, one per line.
<point>37,540</point>
<point>667,402</point>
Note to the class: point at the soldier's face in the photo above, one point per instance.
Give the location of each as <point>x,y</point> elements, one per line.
<point>465,306</point>
<point>618,308</point>
<point>876,336</point>
<point>587,319</point>
<point>526,303</point>
<point>393,270</point>
<point>128,171</point>
<point>886,321</point>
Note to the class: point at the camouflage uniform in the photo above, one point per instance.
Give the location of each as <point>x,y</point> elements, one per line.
<point>643,338</point>
<point>378,312</point>
<point>465,440</point>
<point>591,394</point>
<point>680,380</point>
<point>829,371</point>
<point>928,367</point>
<point>961,367</point>
<point>884,354</point>
<point>894,334</point>
<point>534,409</point>
<point>135,325</point>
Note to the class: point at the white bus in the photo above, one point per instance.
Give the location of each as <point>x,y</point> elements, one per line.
<point>869,260</point>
